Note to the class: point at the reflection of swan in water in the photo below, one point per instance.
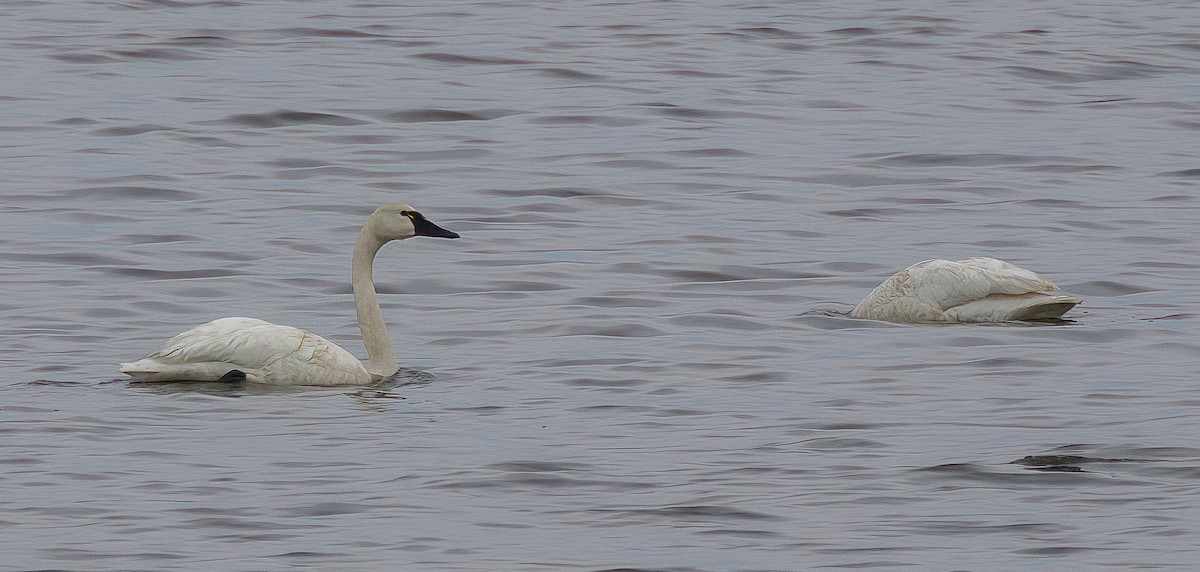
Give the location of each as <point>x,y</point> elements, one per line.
<point>254,350</point>
<point>972,290</point>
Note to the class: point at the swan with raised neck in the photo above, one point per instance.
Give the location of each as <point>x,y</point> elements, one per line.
<point>240,348</point>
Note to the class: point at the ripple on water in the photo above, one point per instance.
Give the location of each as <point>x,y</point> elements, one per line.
<point>289,117</point>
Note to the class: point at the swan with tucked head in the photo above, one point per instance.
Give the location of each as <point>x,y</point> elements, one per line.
<point>972,290</point>
<point>254,350</point>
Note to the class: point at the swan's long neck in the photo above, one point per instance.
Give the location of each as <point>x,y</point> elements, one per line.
<point>366,305</point>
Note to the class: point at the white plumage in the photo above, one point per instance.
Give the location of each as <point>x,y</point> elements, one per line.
<point>258,351</point>
<point>972,290</point>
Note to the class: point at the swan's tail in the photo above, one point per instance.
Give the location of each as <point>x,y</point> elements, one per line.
<point>148,370</point>
<point>140,370</point>
<point>1005,308</point>
<point>1050,308</point>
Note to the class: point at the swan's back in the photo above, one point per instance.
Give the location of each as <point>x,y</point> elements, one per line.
<point>972,290</point>
<point>264,352</point>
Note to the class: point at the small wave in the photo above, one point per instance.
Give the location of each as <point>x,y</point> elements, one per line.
<point>448,58</point>
<point>286,117</point>
<point>432,115</point>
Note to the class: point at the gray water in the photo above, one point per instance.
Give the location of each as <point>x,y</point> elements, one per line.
<point>638,354</point>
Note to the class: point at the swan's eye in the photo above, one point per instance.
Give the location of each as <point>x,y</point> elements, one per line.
<point>412,215</point>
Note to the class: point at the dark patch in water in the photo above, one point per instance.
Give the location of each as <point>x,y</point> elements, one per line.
<point>433,115</point>
<point>130,130</point>
<point>566,73</point>
<point>288,117</point>
<point>459,59</point>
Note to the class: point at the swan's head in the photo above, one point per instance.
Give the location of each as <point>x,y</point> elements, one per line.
<point>397,221</point>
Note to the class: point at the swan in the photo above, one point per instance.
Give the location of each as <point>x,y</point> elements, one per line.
<point>972,290</point>
<point>235,349</point>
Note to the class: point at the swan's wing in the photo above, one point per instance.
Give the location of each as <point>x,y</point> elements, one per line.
<point>244,342</point>
<point>319,361</point>
<point>944,284</point>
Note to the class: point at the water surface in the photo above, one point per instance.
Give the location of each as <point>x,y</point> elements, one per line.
<point>637,356</point>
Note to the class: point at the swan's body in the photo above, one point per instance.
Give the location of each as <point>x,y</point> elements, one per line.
<point>258,351</point>
<point>972,290</point>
